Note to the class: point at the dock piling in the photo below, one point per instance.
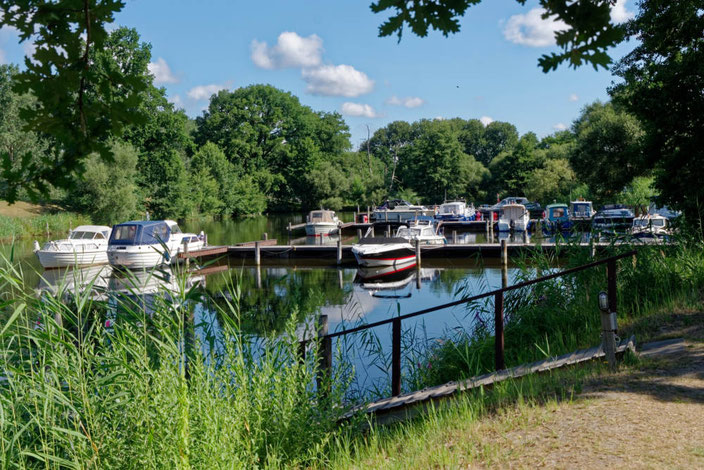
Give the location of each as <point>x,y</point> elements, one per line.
<point>417,253</point>
<point>359,233</point>
<point>339,251</point>
<point>265,236</point>
<point>454,237</point>
<point>257,254</point>
<point>258,275</point>
<point>504,253</point>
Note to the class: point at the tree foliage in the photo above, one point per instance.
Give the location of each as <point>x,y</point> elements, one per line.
<point>60,76</point>
<point>663,79</point>
<point>589,34</point>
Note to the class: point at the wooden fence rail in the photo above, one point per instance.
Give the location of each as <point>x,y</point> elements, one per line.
<point>499,361</point>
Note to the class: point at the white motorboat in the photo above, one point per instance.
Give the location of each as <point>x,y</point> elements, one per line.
<point>651,226</point>
<point>383,251</point>
<point>192,242</point>
<point>322,223</point>
<point>514,217</point>
<point>453,211</point>
<point>422,230</point>
<point>144,244</point>
<point>399,211</point>
<point>86,245</point>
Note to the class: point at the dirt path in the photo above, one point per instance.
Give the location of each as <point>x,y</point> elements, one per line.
<point>651,417</point>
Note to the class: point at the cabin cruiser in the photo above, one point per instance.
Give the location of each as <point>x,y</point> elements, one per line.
<point>454,211</point>
<point>399,211</point>
<point>514,217</point>
<point>321,223</point>
<point>612,220</point>
<point>651,226</point>
<point>383,251</point>
<point>86,245</point>
<point>421,229</point>
<point>581,213</point>
<point>556,218</point>
<point>144,244</point>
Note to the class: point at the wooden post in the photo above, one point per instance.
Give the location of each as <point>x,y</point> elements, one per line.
<point>504,253</point>
<point>417,254</point>
<point>454,237</point>
<point>504,276</point>
<point>396,357</point>
<point>388,231</point>
<point>608,319</point>
<point>325,358</point>
<point>340,279</point>
<point>265,236</point>
<point>359,233</point>
<point>257,254</point>
<point>258,276</point>
<point>205,240</point>
<point>525,236</point>
<point>499,331</point>
<point>339,251</point>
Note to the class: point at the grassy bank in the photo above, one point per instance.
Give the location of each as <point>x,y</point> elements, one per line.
<point>35,224</point>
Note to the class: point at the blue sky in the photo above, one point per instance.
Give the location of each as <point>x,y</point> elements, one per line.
<point>329,55</point>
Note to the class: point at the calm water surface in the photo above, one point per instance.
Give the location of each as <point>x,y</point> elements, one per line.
<point>272,295</point>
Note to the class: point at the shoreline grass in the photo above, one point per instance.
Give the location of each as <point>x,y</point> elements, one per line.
<point>40,226</point>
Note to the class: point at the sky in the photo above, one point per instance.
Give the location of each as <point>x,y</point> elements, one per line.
<point>329,55</point>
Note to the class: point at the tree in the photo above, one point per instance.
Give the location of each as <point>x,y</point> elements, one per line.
<point>589,33</point>
<point>21,147</point>
<point>663,79</point>
<point>608,150</point>
<point>60,76</point>
<point>211,166</point>
<point>554,181</point>
<point>639,194</point>
<point>108,191</point>
<point>511,169</point>
<point>498,137</point>
<point>386,145</point>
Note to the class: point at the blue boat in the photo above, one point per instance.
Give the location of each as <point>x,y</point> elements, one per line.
<point>556,219</point>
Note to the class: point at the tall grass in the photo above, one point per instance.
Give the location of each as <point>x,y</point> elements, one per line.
<point>131,383</point>
<point>36,227</point>
<point>561,315</point>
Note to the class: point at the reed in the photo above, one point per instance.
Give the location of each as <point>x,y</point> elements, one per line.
<point>141,382</point>
<point>36,227</point>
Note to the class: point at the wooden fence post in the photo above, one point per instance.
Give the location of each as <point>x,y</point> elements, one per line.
<point>325,357</point>
<point>396,357</point>
<point>499,331</point>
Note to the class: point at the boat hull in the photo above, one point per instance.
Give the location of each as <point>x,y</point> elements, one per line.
<point>63,259</point>
<point>321,229</point>
<point>519,225</point>
<point>148,256</point>
<point>384,255</point>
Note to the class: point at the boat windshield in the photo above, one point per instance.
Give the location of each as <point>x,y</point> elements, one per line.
<point>658,222</point>
<point>124,233</point>
<point>640,223</point>
<point>558,212</point>
<point>82,235</point>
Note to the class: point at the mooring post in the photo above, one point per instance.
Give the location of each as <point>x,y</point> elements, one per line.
<point>499,331</point>
<point>258,276</point>
<point>265,236</point>
<point>396,357</point>
<point>454,237</point>
<point>608,316</point>
<point>504,253</point>
<point>325,357</point>
<point>359,234</point>
<point>257,254</point>
<point>388,231</point>
<point>205,239</point>
<point>340,279</point>
<point>339,251</point>
<point>525,236</point>
<point>417,253</point>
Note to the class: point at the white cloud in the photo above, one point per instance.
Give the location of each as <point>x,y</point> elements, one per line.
<point>204,92</point>
<point>408,102</point>
<point>358,109</point>
<point>162,72</point>
<point>337,80</point>
<point>486,120</point>
<point>176,100</point>
<point>619,13</point>
<point>438,118</point>
<point>530,29</point>
<point>560,126</point>
<point>573,97</point>
<point>290,50</point>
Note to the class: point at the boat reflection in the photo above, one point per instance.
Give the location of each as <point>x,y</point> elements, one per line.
<point>388,278</point>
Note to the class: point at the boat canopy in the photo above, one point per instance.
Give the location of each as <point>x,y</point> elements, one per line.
<point>322,216</point>
<point>90,232</point>
<point>514,211</point>
<point>581,208</point>
<point>149,232</point>
<point>557,211</point>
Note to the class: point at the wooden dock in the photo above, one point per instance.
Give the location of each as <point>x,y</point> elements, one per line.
<point>400,407</point>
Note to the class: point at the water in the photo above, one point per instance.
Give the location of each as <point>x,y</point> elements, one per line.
<point>272,295</point>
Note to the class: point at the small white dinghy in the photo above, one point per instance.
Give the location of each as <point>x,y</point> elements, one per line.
<point>86,245</point>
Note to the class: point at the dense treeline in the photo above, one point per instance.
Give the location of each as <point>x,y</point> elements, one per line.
<point>258,149</point>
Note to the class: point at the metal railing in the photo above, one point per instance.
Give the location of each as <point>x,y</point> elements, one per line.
<point>325,338</point>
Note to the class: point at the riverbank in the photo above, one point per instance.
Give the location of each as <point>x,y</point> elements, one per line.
<point>23,220</point>
<point>644,415</point>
